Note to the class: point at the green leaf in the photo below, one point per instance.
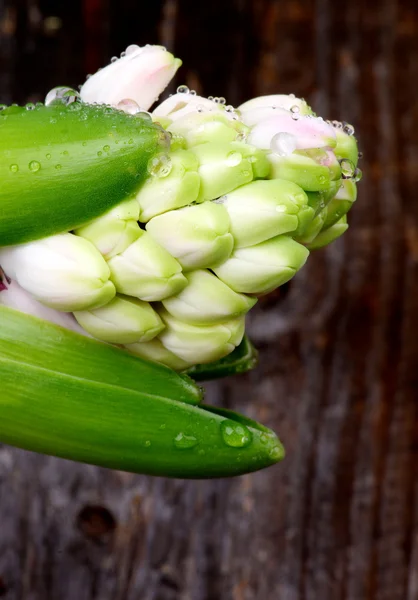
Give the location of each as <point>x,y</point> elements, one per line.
<point>62,166</point>
<point>242,359</point>
<point>76,398</point>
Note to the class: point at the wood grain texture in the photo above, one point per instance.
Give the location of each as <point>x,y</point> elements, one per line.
<point>338,378</point>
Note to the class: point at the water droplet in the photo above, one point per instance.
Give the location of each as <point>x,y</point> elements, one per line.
<point>200,108</point>
<point>106,148</point>
<point>348,129</point>
<point>183,441</point>
<point>295,109</point>
<point>3,106</point>
<point>241,136</point>
<point>131,49</point>
<point>65,153</point>
<point>183,89</point>
<point>235,434</point>
<point>275,452</point>
<point>360,155</point>
<point>147,443</point>
<point>322,179</point>
<point>48,156</point>
<point>159,166</point>
<point>30,106</point>
<point>99,153</point>
<point>337,124</point>
<point>14,168</point>
<point>233,159</point>
<point>263,438</point>
<point>292,96</point>
<point>128,106</point>
<point>143,114</point>
<point>210,98</point>
<point>221,100</point>
<point>295,115</point>
<point>84,144</point>
<point>34,166</point>
<point>113,59</point>
<point>62,95</point>
<point>347,168</point>
<point>357,175</point>
<point>163,426</point>
<point>193,92</point>
<point>283,143</point>
<point>58,167</point>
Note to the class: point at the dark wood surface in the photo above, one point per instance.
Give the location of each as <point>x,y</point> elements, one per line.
<point>338,378</point>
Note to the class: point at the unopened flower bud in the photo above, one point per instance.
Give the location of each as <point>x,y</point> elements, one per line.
<point>207,300</point>
<point>156,352</point>
<point>63,271</point>
<point>124,320</point>
<point>262,268</point>
<point>197,236</point>
<point>146,270</point>
<point>201,344</point>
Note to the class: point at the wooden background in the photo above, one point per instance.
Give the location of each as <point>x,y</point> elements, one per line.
<point>338,379</point>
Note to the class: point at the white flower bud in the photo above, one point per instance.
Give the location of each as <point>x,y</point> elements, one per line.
<point>146,270</point>
<point>174,189</point>
<point>207,300</point>
<point>199,344</point>
<point>263,209</point>
<point>141,75</point>
<point>115,231</point>
<point>63,271</point>
<point>197,236</point>
<point>124,320</point>
<point>262,268</point>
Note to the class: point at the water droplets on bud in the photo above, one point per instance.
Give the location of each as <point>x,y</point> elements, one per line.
<point>3,106</point>
<point>200,108</point>
<point>283,143</point>
<point>62,95</point>
<point>348,129</point>
<point>183,89</point>
<point>131,49</point>
<point>233,159</point>
<point>241,136</point>
<point>347,168</point>
<point>114,59</point>
<point>34,166</point>
<point>295,110</point>
<point>106,148</point>
<point>128,106</point>
<point>159,166</point>
<point>193,92</point>
<point>360,155</point>
<point>14,168</point>
<point>147,443</point>
<point>337,124</point>
<point>275,453</point>
<point>185,442</point>
<point>235,434</point>
<point>357,175</point>
<point>30,106</point>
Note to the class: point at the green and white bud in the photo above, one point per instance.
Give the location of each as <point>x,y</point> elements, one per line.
<point>197,236</point>
<point>259,162</point>
<point>124,320</point>
<point>346,146</point>
<point>146,271</point>
<point>206,300</point>
<point>222,169</point>
<point>208,126</point>
<point>197,344</point>
<point>264,209</point>
<point>327,236</point>
<point>313,229</point>
<point>262,268</point>
<point>301,169</point>
<point>115,231</point>
<point>172,186</point>
<point>341,202</point>
<point>63,271</point>
<point>156,352</point>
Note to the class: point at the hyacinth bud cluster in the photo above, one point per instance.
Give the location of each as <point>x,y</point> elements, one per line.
<point>228,214</point>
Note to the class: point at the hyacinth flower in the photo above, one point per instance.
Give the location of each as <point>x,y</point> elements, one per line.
<point>132,246</point>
